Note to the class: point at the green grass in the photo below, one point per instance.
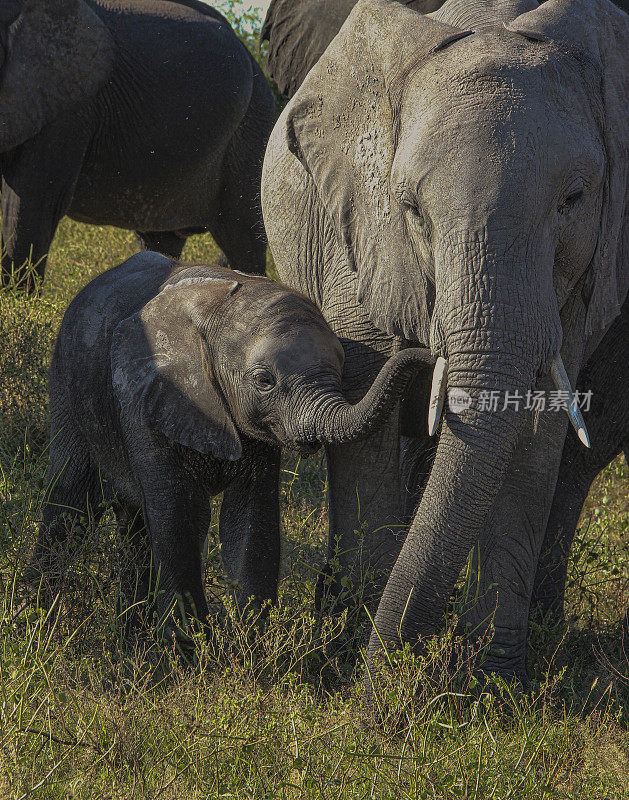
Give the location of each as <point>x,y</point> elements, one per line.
<point>277,715</point>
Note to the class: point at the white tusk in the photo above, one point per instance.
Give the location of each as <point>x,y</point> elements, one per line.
<point>437,394</point>
<point>562,382</point>
<point>536,415</point>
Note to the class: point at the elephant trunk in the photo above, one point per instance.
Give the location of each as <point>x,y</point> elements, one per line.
<point>497,336</point>
<point>332,420</point>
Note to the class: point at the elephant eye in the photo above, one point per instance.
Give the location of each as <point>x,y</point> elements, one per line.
<point>264,379</point>
<point>570,202</point>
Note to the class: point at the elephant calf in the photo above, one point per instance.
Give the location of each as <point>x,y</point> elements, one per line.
<point>171,383</point>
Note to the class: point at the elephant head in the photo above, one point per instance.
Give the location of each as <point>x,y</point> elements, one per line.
<point>211,358</point>
<point>54,53</point>
<point>473,166</point>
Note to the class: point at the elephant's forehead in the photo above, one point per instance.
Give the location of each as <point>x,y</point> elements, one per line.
<point>500,66</point>
<point>294,349</point>
<point>495,95</point>
<point>282,326</point>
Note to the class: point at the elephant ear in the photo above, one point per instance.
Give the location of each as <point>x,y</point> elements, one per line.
<point>598,29</point>
<point>342,126</point>
<point>59,53</point>
<point>162,373</point>
<point>298,31</point>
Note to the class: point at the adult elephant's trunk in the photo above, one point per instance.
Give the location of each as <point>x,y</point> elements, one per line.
<point>332,420</point>
<point>497,335</point>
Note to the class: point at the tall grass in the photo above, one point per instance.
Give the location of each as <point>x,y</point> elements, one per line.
<point>278,714</point>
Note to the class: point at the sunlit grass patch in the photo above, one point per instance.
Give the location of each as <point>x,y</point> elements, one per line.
<point>276,713</point>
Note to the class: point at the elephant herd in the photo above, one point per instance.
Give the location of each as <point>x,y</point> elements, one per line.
<point>447,185</point>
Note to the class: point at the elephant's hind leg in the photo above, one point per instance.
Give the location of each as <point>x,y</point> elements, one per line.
<point>135,607</point>
<point>73,504</point>
<point>239,232</point>
<point>168,243</point>
<point>237,224</point>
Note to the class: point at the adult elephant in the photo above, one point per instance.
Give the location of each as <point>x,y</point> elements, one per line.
<point>148,115</point>
<point>459,179</point>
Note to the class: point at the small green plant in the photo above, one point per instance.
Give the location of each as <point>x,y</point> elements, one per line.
<point>246,20</point>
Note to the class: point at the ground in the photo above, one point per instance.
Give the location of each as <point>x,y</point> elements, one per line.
<point>281,716</point>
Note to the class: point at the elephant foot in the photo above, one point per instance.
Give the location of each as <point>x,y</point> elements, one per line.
<point>547,605</point>
<point>353,592</point>
<point>487,665</point>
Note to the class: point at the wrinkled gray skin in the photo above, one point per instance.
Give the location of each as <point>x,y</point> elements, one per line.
<point>148,115</point>
<point>172,383</point>
<point>606,375</point>
<point>298,32</point>
<point>467,190</point>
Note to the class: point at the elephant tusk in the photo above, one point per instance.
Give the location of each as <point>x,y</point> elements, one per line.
<point>562,382</point>
<point>437,394</point>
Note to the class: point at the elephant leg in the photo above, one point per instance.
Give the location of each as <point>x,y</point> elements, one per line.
<point>37,190</point>
<point>134,608</point>
<point>28,228</point>
<point>168,243</point>
<point>177,520</point>
<point>606,377</point>
<point>72,502</point>
<point>366,519</point>
<point>249,530</point>
<point>416,457</point>
<point>239,231</point>
<point>366,503</point>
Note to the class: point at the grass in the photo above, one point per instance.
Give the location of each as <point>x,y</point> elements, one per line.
<point>277,715</point>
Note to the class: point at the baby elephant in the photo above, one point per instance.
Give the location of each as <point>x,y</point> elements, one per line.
<point>171,383</point>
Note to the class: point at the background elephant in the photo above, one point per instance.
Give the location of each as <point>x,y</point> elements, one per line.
<point>459,179</point>
<point>172,383</point>
<point>606,376</point>
<point>148,115</point>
